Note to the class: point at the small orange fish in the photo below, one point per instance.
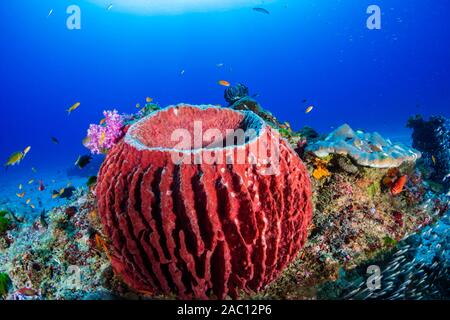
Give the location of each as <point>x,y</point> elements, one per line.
<point>94,214</point>
<point>102,121</point>
<point>399,184</point>
<point>98,241</point>
<point>21,195</point>
<point>148,99</point>
<point>101,244</point>
<point>146,293</point>
<point>309,109</point>
<point>224,83</point>
<point>28,201</point>
<point>433,158</point>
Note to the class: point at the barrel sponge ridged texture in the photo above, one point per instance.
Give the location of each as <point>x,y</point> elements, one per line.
<point>201,230</point>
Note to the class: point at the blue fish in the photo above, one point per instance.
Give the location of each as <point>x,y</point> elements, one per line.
<point>261,10</point>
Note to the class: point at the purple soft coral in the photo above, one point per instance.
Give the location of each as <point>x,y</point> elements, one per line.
<point>101,138</point>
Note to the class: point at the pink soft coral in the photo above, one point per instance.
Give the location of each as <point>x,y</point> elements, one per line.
<point>101,138</point>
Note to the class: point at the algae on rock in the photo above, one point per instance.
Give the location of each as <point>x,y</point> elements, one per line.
<point>5,282</point>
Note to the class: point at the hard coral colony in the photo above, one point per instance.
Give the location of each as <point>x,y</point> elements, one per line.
<point>366,149</point>
<point>201,230</point>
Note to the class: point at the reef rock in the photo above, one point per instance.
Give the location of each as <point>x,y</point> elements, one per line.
<point>366,149</point>
<point>180,224</point>
<point>235,93</point>
<point>249,104</point>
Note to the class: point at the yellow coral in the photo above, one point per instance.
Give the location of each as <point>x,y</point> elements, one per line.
<point>320,173</point>
<point>321,170</point>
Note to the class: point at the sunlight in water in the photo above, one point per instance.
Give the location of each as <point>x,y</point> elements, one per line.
<point>176,6</point>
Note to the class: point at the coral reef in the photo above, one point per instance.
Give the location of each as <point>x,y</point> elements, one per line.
<point>55,257</point>
<point>356,220</point>
<point>416,269</point>
<point>396,218</point>
<point>359,221</point>
<point>43,258</point>
<point>432,138</point>
<point>203,228</point>
<point>366,149</point>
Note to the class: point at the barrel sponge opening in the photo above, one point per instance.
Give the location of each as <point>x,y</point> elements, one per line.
<point>156,130</point>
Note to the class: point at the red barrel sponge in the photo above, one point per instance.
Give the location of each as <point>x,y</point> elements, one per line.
<point>203,202</point>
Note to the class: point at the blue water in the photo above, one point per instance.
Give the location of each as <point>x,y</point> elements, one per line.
<point>319,50</point>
